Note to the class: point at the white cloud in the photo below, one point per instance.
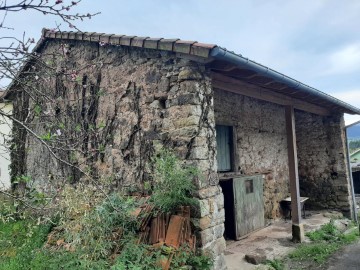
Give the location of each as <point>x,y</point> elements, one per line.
<point>352,97</point>
<point>345,60</point>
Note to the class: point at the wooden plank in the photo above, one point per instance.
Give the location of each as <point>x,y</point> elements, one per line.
<point>293,165</point>
<point>239,87</point>
<point>154,231</point>
<point>249,204</point>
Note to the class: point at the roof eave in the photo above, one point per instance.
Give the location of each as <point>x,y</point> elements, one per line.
<point>242,62</point>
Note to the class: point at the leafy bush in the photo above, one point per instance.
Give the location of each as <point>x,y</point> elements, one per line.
<point>173,182</point>
<point>137,257</point>
<point>92,234</point>
<point>8,211</point>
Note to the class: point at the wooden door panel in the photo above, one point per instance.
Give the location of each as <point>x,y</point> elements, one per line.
<point>249,204</point>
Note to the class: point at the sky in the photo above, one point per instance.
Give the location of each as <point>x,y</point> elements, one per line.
<point>315,42</point>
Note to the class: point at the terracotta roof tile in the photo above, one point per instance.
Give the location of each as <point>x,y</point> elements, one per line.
<point>79,35</point>
<point>58,35</point>
<point>152,43</point>
<point>105,38</point>
<point>167,44</point>
<point>183,46</point>
<point>175,45</point>
<point>65,35</point>
<point>126,40</point>
<point>201,49</point>
<point>95,37</point>
<point>115,39</point>
<point>72,35</point>
<point>138,41</point>
<point>87,35</point>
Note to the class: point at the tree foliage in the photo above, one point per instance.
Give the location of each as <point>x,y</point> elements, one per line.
<point>16,55</point>
<point>354,145</point>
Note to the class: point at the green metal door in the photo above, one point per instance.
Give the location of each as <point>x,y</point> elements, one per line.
<point>249,204</point>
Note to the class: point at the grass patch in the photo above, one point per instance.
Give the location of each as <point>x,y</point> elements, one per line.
<point>19,242</point>
<point>325,241</point>
<point>276,264</point>
<point>317,252</point>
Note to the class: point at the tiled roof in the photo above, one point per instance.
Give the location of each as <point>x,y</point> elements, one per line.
<point>220,61</point>
<point>175,45</point>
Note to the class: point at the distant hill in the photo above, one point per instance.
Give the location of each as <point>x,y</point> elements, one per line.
<point>354,132</point>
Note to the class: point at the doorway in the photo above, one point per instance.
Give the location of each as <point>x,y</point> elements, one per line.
<point>244,205</point>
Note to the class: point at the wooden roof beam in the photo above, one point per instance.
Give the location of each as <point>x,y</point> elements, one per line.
<point>239,87</point>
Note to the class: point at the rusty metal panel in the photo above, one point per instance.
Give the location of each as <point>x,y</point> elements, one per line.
<point>174,231</point>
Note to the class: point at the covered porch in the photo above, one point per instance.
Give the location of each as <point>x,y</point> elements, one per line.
<point>291,142</point>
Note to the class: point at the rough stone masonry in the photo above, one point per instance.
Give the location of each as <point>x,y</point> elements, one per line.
<point>135,99</point>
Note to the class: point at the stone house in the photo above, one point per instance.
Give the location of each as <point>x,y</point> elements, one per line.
<point>256,135</point>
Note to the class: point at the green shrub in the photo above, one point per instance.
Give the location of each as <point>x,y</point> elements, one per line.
<point>92,233</point>
<point>173,182</point>
<point>137,257</point>
<point>8,211</point>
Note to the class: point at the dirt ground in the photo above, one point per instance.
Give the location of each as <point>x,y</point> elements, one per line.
<point>274,241</point>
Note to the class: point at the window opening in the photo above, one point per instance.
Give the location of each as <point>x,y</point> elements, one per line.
<point>224,144</point>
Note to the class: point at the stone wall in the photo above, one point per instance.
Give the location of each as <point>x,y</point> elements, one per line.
<point>323,173</point>
<point>261,145</point>
<point>117,104</point>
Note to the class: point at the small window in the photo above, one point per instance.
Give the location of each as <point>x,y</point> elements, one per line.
<point>224,142</point>
<point>249,186</point>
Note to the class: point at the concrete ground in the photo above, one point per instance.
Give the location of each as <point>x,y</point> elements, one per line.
<point>346,258</point>
<point>274,241</point>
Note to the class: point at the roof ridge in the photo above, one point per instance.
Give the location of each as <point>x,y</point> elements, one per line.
<point>174,45</point>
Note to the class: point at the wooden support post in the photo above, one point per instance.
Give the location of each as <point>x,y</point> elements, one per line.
<point>297,227</point>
